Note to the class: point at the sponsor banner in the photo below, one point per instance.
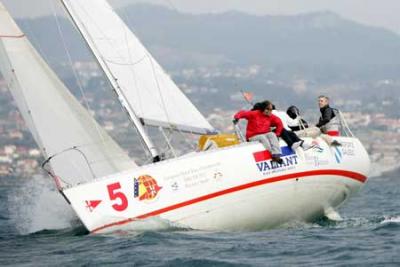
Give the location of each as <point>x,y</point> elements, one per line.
<point>195,176</point>
<point>266,166</point>
<point>347,148</point>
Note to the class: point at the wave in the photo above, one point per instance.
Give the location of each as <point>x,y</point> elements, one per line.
<point>154,224</point>
<point>34,205</point>
<point>390,219</point>
<point>356,222</point>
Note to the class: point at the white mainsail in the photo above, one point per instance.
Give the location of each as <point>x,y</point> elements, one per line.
<point>142,85</point>
<point>62,127</point>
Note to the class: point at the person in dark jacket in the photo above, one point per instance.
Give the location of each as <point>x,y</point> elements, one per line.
<point>304,130</point>
<point>328,122</point>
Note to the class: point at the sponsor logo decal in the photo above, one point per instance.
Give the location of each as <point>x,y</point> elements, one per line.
<point>218,175</point>
<point>146,188</point>
<point>347,149</point>
<point>175,186</point>
<point>316,147</point>
<point>338,155</point>
<point>316,157</point>
<point>266,166</point>
<point>92,204</point>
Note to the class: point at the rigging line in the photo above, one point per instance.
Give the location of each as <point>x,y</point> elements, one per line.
<point>168,140</point>
<point>146,56</point>
<point>193,146</point>
<point>184,137</point>
<point>164,106</point>
<point>149,57</point>
<point>72,68</point>
<point>126,64</point>
<point>108,154</point>
<point>36,40</point>
<point>142,141</point>
<point>171,4</point>
<point>161,95</point>
<point>132,70</point>
<point>105,37</point>
<point>13,79</point>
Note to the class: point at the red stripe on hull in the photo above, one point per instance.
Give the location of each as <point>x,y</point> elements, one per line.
<point>348,174</point>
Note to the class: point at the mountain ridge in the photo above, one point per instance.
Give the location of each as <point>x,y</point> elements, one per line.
<point>303,43</point>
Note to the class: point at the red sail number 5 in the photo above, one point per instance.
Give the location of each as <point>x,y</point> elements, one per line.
<point>114,194</point>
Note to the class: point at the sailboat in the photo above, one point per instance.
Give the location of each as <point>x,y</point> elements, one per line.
<point>230,186</point>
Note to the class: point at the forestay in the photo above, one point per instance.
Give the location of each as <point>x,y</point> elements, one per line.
<point>142,85</point>
<point>62,127</point>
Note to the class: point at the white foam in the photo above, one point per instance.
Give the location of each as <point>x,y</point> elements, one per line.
<point>35,205</point>
<point>333,215</point>
<point>151,224</point>
<point>391,220</point>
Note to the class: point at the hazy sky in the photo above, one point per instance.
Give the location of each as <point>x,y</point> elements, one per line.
<point>382,13</point>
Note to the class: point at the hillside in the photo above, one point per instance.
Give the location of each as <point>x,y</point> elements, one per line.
<point>321,46</point>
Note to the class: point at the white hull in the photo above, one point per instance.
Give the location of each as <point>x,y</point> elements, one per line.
<point>226,189</point>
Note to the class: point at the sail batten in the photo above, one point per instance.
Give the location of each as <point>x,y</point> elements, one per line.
<point>144,85</point>
<point>78,148</point>
<point>179,127</point>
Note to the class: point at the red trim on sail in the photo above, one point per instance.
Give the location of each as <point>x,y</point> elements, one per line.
<point>347,174</point>
<point>12,36</point>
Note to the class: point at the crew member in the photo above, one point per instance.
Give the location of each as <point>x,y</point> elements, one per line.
<point>328,122</point>
<point>290,137</point>
<point>301,127</point>
<point>259,122</point>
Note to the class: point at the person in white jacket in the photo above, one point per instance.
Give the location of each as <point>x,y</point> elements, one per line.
<point>290,137</point>
<point>300,126</point>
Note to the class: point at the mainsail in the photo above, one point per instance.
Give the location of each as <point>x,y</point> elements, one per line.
<point>142,85</point>
<point>64,130</point>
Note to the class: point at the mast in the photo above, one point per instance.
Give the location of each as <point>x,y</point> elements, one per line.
<point>75,146</point>
<point>117,89</point>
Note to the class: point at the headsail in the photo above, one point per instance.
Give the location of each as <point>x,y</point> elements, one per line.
<point>64,130</point>
<point>143,85</point>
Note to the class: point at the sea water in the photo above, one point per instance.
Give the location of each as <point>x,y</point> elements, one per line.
<point>37,228</point>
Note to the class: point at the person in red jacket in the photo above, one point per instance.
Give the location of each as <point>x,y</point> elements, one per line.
<point>259,122</point>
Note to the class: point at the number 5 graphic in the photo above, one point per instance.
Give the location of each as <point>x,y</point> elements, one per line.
<point>114,195</point>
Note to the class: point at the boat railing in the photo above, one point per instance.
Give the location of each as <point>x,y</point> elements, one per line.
<point>239,133</point>
<point>343,126</point>
<point>65,181</point>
